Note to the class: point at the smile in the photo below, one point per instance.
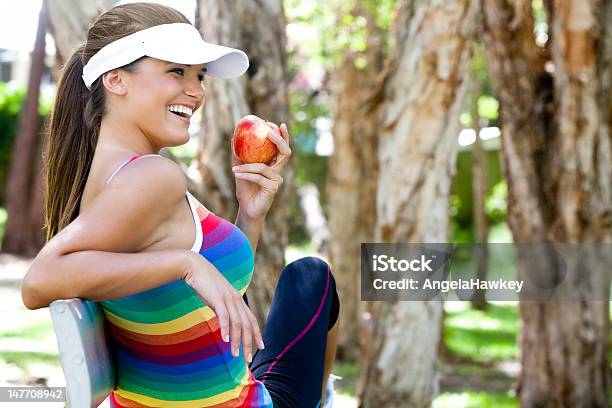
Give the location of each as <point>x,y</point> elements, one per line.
<point>182,111</point>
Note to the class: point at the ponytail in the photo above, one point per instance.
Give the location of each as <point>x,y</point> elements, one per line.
<point>72,138</point>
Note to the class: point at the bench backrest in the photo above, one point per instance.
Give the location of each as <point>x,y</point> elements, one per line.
<point>84,351</point>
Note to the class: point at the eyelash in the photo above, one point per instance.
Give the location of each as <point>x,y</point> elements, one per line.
<point>200,77</point>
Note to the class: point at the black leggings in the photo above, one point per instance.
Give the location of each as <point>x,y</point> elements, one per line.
<point>304,308</point>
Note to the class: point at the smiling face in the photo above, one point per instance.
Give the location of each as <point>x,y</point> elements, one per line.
<point>158,99</point>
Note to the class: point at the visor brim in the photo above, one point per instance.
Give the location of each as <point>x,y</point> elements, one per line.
<point>221,61</point>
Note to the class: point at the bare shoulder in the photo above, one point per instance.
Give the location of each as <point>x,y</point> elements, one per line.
<point>129,211</point>
<point>155,173</point>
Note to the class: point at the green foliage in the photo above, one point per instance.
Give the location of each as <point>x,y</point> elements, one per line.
<point>461,201</point>
<point>496,203</point>
<point>11,99</point>
<point>540,27</point>
<point>349,371</point>
<point>488,107</point>
<point>11,104</point>
<point>333,27</point>
<point>500,232</point>
<point>3,217</point>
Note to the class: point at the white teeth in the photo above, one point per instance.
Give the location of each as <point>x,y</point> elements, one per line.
<point>181,108</point>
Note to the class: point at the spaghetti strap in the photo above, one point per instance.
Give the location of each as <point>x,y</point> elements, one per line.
<point>128,161</point>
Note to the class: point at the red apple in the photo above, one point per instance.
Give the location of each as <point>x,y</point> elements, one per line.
<point>250,142</point>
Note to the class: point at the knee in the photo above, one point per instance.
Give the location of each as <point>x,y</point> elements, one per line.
<point>309,270</point>
<point>312,276</point>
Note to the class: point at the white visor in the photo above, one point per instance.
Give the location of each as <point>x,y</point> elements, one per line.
<point>178,42</point>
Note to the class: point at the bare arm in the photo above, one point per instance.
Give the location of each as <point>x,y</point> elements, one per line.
<point>100,275</point>
<point>251,228</point>
<point>96,256</point>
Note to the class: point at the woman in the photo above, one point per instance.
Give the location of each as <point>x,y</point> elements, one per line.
<point>120,230</point>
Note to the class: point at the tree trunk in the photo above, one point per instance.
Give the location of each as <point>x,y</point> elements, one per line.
<point>556,150</point>
<point>258,28</point>
<point>23,234</point>
<point>353,174</point>
<point>424,92</point>
<point>316,224</point>
<point>69,21</point>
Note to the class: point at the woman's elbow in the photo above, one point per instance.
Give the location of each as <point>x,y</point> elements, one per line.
<point>32,291</point>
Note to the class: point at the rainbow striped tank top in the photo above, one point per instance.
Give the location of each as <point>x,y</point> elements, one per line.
<point>167,342</point>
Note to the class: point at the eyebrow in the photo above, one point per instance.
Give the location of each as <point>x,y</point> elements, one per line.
<point>187,65</point>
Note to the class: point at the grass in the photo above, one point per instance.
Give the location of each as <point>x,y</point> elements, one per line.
<point>24,360</point>
<point>471,399</point>
<point>38,330</point>
<point>475,342</point>
<point>485,337</point>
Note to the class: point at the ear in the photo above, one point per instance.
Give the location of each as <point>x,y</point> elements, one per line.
<point>114,82</point>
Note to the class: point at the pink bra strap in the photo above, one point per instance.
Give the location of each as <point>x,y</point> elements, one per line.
<point>130,160</point>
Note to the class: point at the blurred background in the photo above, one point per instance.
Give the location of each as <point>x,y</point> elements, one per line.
<point>460,121</point>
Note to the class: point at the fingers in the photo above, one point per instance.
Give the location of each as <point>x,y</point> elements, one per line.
<point>260,168</point>
<point>253,172</point>
<point>281,141</point>
<point>242,326</point>
<point>256,332</point>
<point>224,320</point>
<point>235,323</point>
<point>247,333</point>
<point>284,132</point>
<point>265,183</point>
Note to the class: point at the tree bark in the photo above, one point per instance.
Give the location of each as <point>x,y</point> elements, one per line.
<point>424,92</point>
<point>556,151</point>
<point>23,233</point>
<point>316,224</point>
<point>69,21</point>
<point>258,28</point>
<point>353,174</point>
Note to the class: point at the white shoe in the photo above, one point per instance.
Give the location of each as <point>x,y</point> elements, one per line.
<point>329,391</point>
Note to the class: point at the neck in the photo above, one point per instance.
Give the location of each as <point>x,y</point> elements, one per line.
<point>122,135</point>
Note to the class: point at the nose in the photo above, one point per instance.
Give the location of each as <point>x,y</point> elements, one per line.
<point>196,90</point>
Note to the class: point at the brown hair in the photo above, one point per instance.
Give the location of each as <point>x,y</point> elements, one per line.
<point>77,112</point>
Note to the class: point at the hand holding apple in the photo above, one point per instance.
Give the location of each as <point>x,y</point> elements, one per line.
<point>258,170</point>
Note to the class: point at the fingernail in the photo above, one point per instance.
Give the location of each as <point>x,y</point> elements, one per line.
<point>235,168</point>
<point>249,357</point>
<point>225,338</point>
<point>261,345</point>
<point>235,353</point>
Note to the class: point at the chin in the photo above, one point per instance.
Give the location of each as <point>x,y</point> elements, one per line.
<point>178,141</point>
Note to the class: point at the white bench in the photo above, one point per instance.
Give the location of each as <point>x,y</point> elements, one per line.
<point>84,352</point>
